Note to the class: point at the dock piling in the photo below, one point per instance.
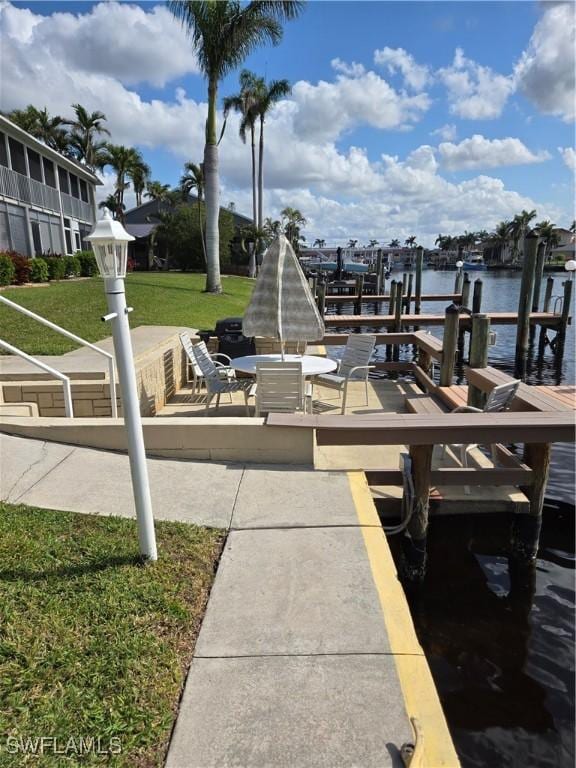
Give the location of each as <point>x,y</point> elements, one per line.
<point>526,528</point>
<point>415,543</point>
<point>477,296</point>
<point>525,304</point>
<point>321,297</point>
<point>408,297</point>
<point>379,273</point>
<point>465,290</point>
<point>449,345</point>
<point>538,274</point>
<point>418,290</point>
<point>398,307</point>
<point>565,316</point>
<point>478,355</point>
<point>359,292</point>
<point>548,294</point>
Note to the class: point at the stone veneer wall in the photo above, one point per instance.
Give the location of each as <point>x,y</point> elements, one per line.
<point>159,374</point>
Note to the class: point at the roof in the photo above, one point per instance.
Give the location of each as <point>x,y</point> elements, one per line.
<point>139,230</point>
<point>147,211</point>
<point>13,130</point>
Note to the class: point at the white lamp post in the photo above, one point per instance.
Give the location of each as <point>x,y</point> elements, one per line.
<point>110,243</point>
<point>570,266</point>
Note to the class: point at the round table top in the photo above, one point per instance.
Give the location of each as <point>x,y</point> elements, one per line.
<point>311,365</point>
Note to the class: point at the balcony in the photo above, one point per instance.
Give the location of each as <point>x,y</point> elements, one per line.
<point>19,187</point>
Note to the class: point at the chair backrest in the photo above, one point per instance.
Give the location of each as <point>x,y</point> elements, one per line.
<point>205,362</point>
<point>500,399</point>
<point>358,351</point>
<point>189,351</point>
<point>279,388</point>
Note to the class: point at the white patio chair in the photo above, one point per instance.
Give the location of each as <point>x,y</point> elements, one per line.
<point>500,399</point>
<point>281,388</point>
<point>216,384</point>
<point>193,369</point>
<point>354,366</point>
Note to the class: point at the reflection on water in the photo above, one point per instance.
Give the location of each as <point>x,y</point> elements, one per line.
<point>500,642</point>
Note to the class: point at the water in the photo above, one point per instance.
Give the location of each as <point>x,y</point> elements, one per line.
<point>500,643</point>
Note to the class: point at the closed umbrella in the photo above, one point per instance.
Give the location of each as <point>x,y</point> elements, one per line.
<point>282,306</point>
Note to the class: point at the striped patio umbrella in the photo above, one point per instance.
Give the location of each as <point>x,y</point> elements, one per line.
<point>282,306</point>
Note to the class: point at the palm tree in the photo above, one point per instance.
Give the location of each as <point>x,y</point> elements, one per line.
<point>140,173</point>
<point>573,226</point>
<point>245,103</point>
<point>394,243</point>
<point>111,203</point>
<point>318,243</point>
<point>27,119</point>
<point>352,243</point>
<point>42,126</point>
<point>193,178</point>
<point>155,190</point>
<point>267,96</point>
<point>85,129</point>
<point>372,243</point>
<point>124,161</point>
<point>410,241</point>
<point>519,228</point>
<point>293,221</point>
<point>500,237</point>
<point>546,231</point>
<point>272,227</point>
<point>223,34</point>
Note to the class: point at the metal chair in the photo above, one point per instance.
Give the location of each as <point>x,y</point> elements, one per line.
<point>192,367</point>
<point>354,366</point>
<point>216,384</point>
<point>281,388</point>
<point>500,399</point>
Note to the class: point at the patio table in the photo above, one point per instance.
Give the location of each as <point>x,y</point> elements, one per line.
<point>311,364</point>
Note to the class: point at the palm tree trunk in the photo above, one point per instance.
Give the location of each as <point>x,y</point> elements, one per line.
<point>212,194</point>
<point>202,232</point>
<point>254,203</point>
<point>260,171</point>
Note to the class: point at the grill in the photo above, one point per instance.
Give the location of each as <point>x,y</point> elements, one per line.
<point>231,340</point>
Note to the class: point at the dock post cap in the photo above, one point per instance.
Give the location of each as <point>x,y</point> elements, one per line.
<point>453,308</point>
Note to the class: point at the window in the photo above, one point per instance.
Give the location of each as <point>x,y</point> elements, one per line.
<point>74,186</point>
<point>17,155</point>
<point>3,152</point>
<point>68,241</point>
<point>84,191</point>
<point>36,239</point>
<point>63,179</point>
<point>77,240</point>
<point>49,176</point>
<point>34,165</point>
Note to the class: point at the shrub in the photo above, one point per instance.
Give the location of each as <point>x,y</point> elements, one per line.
<point>7,270</point>
<point>71,266</point>
<point>130,264</point>
<point>88,266</point>
<point>39,271</point>
<point>22,267</point>
<point>56,267</point>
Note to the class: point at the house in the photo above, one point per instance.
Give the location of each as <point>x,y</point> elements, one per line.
<point>141,223</point>
<point>47,200</point>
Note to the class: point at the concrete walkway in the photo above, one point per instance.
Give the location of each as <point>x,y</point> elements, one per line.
<point>307,657</point>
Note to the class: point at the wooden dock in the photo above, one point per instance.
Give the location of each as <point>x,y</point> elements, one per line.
<point>547,319</point>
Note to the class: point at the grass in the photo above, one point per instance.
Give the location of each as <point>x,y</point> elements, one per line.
<point>92,643</point>
<point>158,299</point>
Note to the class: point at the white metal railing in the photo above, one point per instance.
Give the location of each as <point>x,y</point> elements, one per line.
<point>20,187</point>
<point>76,208</point>
<point>69,410</point>
<point>73,337</point>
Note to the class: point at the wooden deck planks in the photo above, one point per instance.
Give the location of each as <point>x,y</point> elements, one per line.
<point>496,318</point>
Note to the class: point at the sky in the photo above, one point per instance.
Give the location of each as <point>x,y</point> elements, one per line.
<point>405,118</point>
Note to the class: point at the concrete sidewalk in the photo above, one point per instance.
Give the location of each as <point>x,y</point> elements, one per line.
<point>307,657</point>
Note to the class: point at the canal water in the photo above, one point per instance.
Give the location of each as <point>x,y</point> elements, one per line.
<point>499,641</point>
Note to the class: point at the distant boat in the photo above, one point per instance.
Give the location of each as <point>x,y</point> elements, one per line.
<point>475,264</point>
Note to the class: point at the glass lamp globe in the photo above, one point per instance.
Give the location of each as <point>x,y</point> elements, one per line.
<point>459,264</point>
<point>570,265</point>
<point>110,241</point>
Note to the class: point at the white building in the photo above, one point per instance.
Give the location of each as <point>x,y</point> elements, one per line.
<point>47,201</point>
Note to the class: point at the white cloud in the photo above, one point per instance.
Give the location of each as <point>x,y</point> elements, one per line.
<point>546,70</point>
<point>350,70</point>
<point>479,152</point>
<point>475,92</point>
<point>569,157</point>
<point>326,110</point>
<point>113,39</point>
<point>416,76</point>
<point>447,132</point>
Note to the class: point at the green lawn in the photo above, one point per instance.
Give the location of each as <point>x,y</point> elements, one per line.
<point>92,643</point>
<point>158,299</point>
